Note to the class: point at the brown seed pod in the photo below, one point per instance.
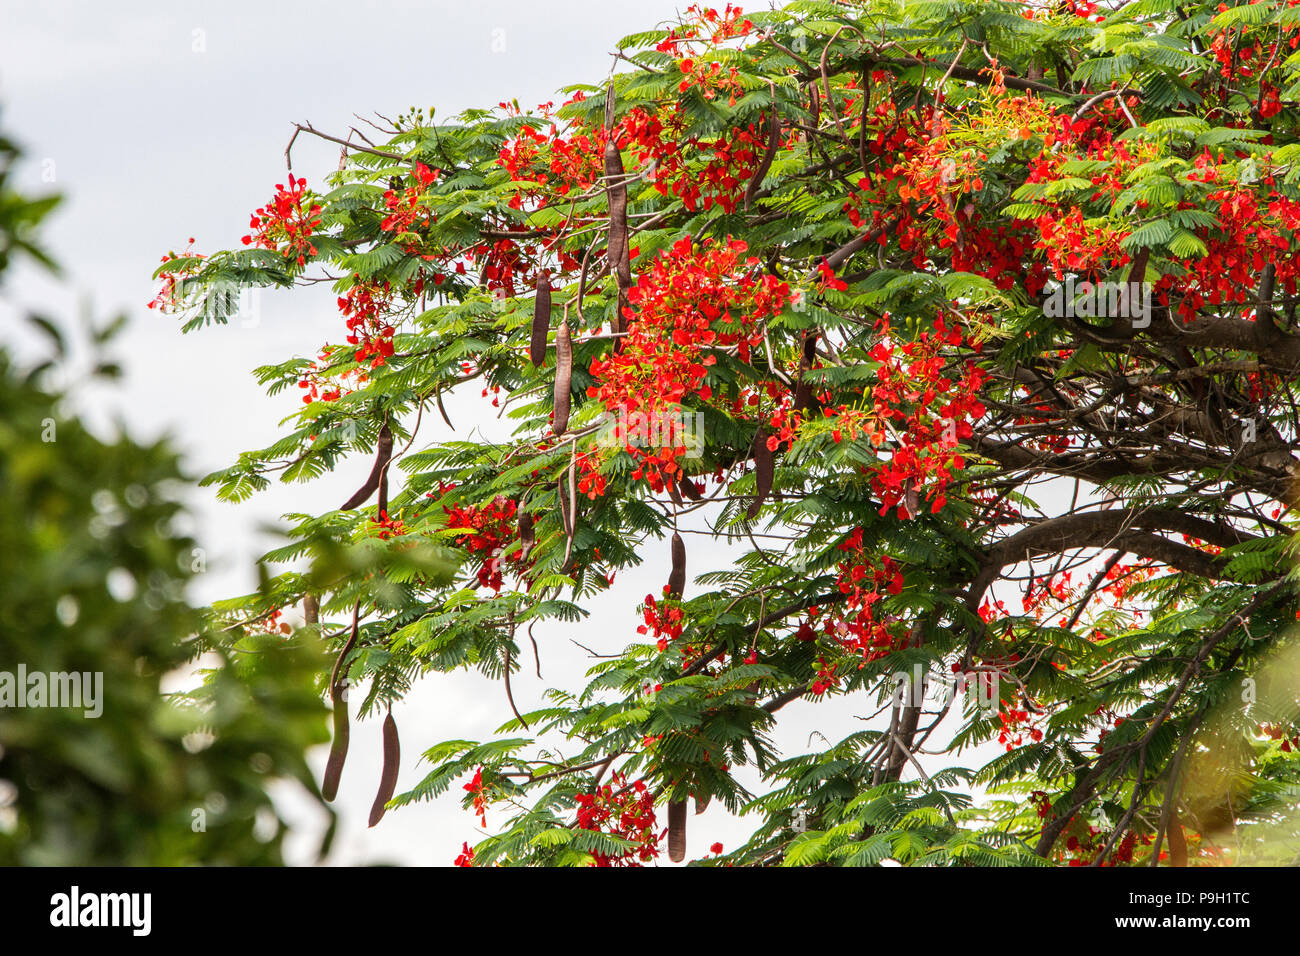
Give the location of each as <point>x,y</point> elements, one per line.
<point>688,488</point>
<point>377,472</point>
<point>563,377</point>
<point>618,253</point>
<point>764,466</point>
<point>677,578</point>
<point>527,538</point>
<point>388,777</point>
<point>541,320</point>
<point>702,805</point>
<point>911,500</point>
<point>1139,271</point>
<point>773,144</point>
<point>338,695</point>
<point>804,400</point>
<point>677,830</point>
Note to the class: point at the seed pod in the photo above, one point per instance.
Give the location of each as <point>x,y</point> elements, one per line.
<point>541,320</point>
<point>764,465</point>
<point>310,609</point>
<point>617,251</point>
<point>338,695</point>
<point>677,830</point>
<point>688,488</point>
<point>674,492</point>
<point>1139,271</point>
<point>338,746</point>
<point>563,377</point>
<point>773,144</point>
<point>388,777</point>
<point>702,805</point>
<point>527,538</point>
<point>677,578</point>
<point>382,454</point>
<point>804,400</point>
<point>912,499</point>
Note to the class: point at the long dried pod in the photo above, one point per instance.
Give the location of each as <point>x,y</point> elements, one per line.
<point>688,488</point>
<point>677,830</point>
<point>388,777</point>
<point>764,467</point>
<point>773,144</point>
<point>310,609</point>
<point>338,695</point>
<point>702,804</point>
<point>563,377</point>
<point>527,537</point>
<point>677,577</point>
<point>382,454</point>
<point>618,252</point>
<point>804,400</point>
<point>541,320</point>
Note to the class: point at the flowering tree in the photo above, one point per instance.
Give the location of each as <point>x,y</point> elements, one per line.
<point>974,321</point>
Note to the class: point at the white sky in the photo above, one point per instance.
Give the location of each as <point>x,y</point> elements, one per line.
<point>161,122</point>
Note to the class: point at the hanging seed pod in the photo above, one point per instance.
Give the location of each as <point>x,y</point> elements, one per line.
<point>702,805</point>
<point>911,500</point>
<point>677,577</point>
<point>563,377</point>
<point>382,454</point>
<point>527,537</point>
<point>764,466</point>
<point>310,609</point>
<point>618,253</point>
<point>674,492</point>
<point>804,400</point>
<point>1139,271</point>
<point>677,830</point>
<point>388,777</point>
<point>773,144</point>
<point>688,489</point>
<point>338,695</point>
<point>541,320</point>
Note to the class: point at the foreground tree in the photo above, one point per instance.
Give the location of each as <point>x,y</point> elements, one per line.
<point>98,767</point>
<point>975,320</point>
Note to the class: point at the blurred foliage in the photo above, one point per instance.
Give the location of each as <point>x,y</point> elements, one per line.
<point>92,580</point>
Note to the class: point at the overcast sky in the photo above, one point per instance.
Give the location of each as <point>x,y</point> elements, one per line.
<point>159,122</point>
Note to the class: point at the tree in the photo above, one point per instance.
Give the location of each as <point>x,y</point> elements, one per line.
<point>97,765</point>
<point>975,320</point>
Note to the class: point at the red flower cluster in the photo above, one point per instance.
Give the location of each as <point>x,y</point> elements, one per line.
<point>365,306</point>
<point>488,530</point>
<point>694,298</point>
<point>623,811</point>
<point>928,412</point>
<point>1016,724</point>
<point>1290,741</point>
<point>289,219</point>
<point>405,213</point>
<point>664,622</point>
